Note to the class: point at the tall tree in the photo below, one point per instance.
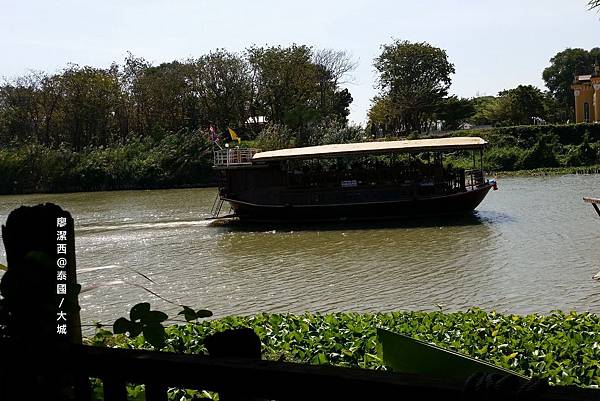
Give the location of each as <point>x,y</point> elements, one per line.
<point>19,109</point>
<point>559,75</point>
<point>485,107</point>
<point>297,87</point>
<point>518,106</point>
<point>454,111</point>
<point>382,116</point>
<point>414,79</point>
<point>222,87</point>
<point>285,83</point>
<point>162,95</point>
<point>89,96</point>
<point>334,68</point>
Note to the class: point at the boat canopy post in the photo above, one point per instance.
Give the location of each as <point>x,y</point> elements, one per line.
<point>481,159</point>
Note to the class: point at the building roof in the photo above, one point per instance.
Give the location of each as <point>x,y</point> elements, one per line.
<point>347,149</point>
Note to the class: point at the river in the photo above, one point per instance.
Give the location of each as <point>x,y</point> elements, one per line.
<point>531,246</point>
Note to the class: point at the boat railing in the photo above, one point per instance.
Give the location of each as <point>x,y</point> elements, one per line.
<point>442,181</point>
<point>233,157</point>
<point>473,178</point>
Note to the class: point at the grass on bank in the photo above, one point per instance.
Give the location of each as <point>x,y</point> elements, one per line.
<point>561,347</point>
<point>549,171</point>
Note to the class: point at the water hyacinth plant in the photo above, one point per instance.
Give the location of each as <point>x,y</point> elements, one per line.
<point>561,347</point>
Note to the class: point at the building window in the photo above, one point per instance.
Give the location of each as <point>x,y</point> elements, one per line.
<point>586,112</point>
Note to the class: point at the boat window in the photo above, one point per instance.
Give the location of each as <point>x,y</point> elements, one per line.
<point>586,112</point>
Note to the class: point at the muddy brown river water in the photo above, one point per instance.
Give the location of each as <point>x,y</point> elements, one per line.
<point>531,246</point>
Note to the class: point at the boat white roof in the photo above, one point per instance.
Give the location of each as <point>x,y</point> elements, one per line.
<point>347,149</point>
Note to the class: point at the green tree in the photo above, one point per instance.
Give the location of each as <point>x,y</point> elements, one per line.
<point>162,95</point>
<point>297,87</point>
<point>334,69</point>
<point>285,82</point>
<point>51,100</point>
<point>382,116</point>
<point>414,79</point>
<point>559,75</point>
<point>19,109</point>
<point>454,111</point>
<point>89,95</point>
<point>485,107</point>
<point>222,89</point>
<point>519,106</point>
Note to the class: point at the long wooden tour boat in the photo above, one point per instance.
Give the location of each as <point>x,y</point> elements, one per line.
<point>369,180</point>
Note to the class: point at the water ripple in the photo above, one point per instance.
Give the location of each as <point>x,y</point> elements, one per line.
<point>530,247</point>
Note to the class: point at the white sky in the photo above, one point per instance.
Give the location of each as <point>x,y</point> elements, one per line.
<point>494,45</point>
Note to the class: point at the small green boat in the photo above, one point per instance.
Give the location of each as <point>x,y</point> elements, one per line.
<point>407,355</point>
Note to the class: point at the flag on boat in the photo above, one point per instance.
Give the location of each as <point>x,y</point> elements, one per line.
<point>234,136</point>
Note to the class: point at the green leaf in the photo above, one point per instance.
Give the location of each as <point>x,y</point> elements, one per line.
<point>121,326</point>
<point>135,329</point>
<point>201,313</point>
<point>139,311</point>
<point>188,313</point>
<point>319,359</point>
<point>154,317</point>
<point>155,335</point>
<point>3,267</point>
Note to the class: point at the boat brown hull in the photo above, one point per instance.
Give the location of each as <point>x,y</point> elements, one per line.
<point>457,203</point>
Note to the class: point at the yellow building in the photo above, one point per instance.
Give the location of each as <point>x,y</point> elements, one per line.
<point>587,96</point>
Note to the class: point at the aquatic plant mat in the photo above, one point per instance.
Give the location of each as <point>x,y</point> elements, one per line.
<point>563,348</point>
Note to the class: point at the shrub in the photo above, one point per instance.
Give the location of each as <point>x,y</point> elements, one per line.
<point>274,137</point>
<point>541,155</point>
<point>333,131</point>
<point>177,159</point>
<point>503,158</point>
<point>582,155</point>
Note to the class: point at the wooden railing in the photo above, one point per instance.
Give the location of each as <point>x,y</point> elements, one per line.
<point>594,201</point>
<point>234,157</point>
<point>246,379</point>
<point>39,364</point>
<point>474,178</point>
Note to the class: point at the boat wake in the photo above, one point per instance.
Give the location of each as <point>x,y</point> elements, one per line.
<point>93,269</point>
<point>143,226</point>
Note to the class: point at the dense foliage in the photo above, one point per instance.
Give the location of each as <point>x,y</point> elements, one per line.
<point>139,125</point>
<point>83,107</point>
<point>185,158</point>
<point>180,159</point>
<point>413,79</point>
<point>541,146</point>
<point>559,76</point>
<point>564,348</point>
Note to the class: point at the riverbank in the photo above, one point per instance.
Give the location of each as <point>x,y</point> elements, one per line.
<point>179,160</point>
<point>548,171</point>
<point>560,347</point>
<point>184,159</point>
